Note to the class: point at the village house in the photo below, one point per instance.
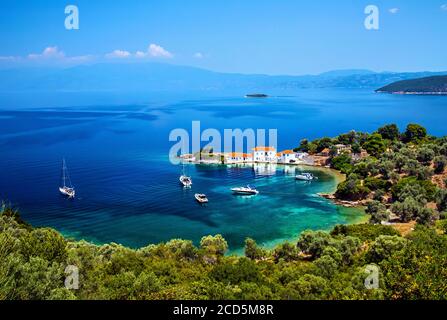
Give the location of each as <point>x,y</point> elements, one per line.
<point>287,156</point>
<point>264,154</point>
<point>188,157</point>
<point>359,156</point>
<point>325,152</point>
<point>238,157</point>
<point>341,148</point>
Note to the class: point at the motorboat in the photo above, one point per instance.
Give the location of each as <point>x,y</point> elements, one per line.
<point>248,190</point>
<point>305,176</point>
<point>201,198</point>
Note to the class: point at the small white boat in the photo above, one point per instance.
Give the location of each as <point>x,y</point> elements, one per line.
<point>201,198</point>
<point>245,190</point>
<point>186,181</point>
<point>305,177</point>
<point>67,188</point>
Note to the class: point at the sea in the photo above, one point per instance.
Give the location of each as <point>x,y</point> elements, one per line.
<point>116,146</point>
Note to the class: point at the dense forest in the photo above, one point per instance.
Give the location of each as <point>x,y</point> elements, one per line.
<point>401,180</point>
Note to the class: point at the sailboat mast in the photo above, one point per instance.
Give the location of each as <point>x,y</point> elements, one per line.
<point>63,172</point>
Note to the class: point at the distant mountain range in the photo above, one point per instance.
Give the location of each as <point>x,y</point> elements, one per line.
<point>427,85</point>
<point>148,77</point>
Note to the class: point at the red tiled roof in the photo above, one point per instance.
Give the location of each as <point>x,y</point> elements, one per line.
<point>264,149</point>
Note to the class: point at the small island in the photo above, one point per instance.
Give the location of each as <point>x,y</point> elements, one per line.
<point>256,95</point>
<point>436,85</point>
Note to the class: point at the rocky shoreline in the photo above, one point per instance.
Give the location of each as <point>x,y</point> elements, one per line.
<point>344,203</point>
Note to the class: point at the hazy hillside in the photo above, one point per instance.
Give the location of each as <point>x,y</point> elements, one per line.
<point>427,85</point>
<point>165,77</point>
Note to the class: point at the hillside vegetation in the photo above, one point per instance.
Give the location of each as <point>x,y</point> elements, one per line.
<point>428,85</point>
<point>318,265</point>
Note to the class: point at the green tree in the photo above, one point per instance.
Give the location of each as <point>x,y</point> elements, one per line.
<point>342,163</point>
<point>352,189</point>
<point>425,155</point>
<point>390,132</point>
<point>327,266</point>
<point>285,251</point>
<point>414,133</point>
<point>378,212</point>
<point>216,245</point>
<point>386,168</point>
<point>385,246</point>
<point>307,287</point>
<point>313,242</point>
<point>45,243</point>
<point>375,145</point>
<point>253,251</point>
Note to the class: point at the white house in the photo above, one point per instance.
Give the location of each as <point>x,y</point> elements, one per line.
<point>287,156</point>
<point>237,157</point>
<point>264,154</point>
<point>302,155</point>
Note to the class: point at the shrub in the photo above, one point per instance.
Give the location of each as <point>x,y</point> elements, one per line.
<point>440,163</point>
<point>364,232</point>
<point>374,183</point>
<point>385,246</point>
<point>216,245</point>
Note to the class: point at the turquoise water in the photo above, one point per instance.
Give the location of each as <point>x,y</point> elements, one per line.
<point>127,191</point>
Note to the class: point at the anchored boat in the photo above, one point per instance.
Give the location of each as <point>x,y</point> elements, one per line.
<point>67,188</point>
<point>248,190</point>
<point>306,176</point>
<point>201,198</point>
<point>186,181</point>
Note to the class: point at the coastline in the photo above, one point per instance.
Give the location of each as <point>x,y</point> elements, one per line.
<point>415,93</point>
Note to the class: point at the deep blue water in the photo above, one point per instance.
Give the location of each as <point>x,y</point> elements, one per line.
<point>116,147</point>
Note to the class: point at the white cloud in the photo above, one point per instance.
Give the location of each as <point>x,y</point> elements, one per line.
<point>157,51</point>
<point>394,10</point>
<point>198,55</point>
<point>118,54</point>
<point>444,7</point>
<point>48,53</point>
<point>154,51</point>
<point>140,54</point>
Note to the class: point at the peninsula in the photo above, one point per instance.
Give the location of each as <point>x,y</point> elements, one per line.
<point>436,85</point>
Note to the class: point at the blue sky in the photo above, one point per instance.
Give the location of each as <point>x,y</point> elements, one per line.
<point>246,36</point>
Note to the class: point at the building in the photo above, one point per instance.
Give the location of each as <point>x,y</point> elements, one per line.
<point>341,148</point>
<point>188,157</point>
<point>264,154</point>
<point>326,152</point>
<point>238,157</point>
<point>359,156</point>
<point>287,156</point>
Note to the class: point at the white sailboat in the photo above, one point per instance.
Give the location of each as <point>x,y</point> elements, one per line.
<point>184,179</point>
<point>67,188</point>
